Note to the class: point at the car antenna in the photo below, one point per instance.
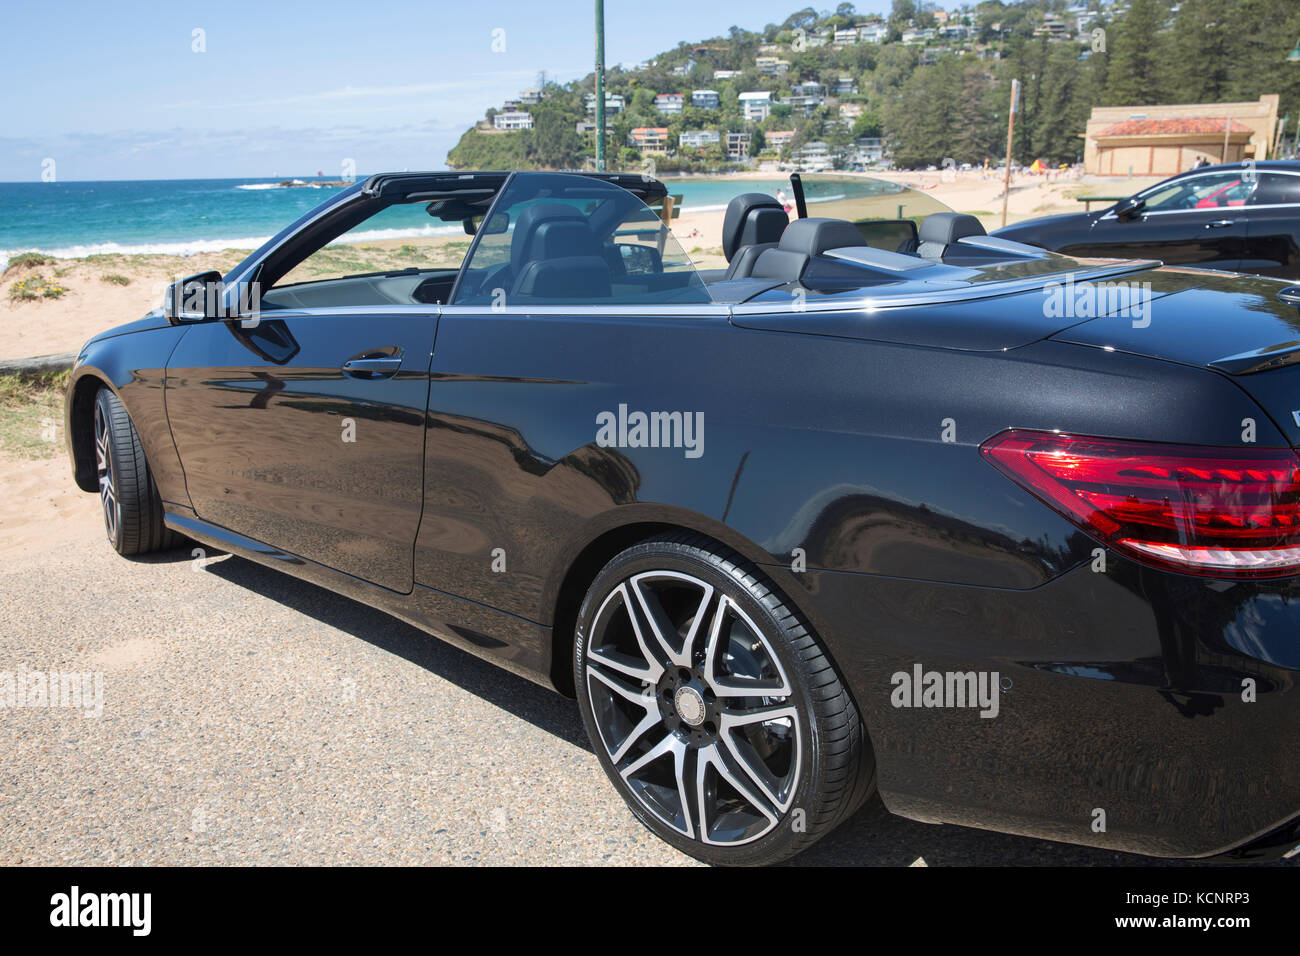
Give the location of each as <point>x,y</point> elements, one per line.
<point>796,187</point>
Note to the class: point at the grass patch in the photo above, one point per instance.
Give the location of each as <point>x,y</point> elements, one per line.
<point>31,414</point>
<point>27,260</point>
<point>115,278</point>
<point>35,287</point>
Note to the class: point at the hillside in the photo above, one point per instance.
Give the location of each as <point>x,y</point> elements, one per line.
<point>922,86</point>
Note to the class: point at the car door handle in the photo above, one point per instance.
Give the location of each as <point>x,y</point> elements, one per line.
<point>1219,223</point>
<point>372,366</point>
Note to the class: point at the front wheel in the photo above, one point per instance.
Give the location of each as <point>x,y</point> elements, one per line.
<point>133,512</point>
<point>711,706</point>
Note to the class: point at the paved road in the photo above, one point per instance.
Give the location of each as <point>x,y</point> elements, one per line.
<point>252,718</point>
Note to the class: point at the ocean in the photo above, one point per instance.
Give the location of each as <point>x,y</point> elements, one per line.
<point>189,216</point>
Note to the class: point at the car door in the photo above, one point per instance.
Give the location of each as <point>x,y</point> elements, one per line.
<point>1273,226</point>
<point>302,426</point>
<point>576,303</point>
<point>1190,220</point>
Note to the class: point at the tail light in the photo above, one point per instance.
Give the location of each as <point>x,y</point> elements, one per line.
<point>1224,512</point>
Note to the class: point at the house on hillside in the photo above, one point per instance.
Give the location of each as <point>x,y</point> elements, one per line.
<point>699,138</point>
<point>613,103</point>
<point>756,105</point>
<point>513,119</point>
<point>738,147</point>
<point>705,99</point>
<point>649,139</point>
<point>779,139</point>
<point>805,97</point>
<point>771,66</point>
<point>669,102</point>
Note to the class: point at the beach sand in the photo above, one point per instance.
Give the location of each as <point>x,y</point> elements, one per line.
<point>93,303</point>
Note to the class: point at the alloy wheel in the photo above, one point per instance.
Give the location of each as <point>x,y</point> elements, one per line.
<point>104,469</point>
<point>693,707</point>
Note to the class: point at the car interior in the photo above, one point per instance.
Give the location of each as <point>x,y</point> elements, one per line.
<point>565,239</point>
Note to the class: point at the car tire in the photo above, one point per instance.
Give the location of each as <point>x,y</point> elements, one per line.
<point>132,508</point>
<point>713,708</point>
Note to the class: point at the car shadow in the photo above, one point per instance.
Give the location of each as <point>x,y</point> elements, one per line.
<point>872,837</point>
<point>542,708</point>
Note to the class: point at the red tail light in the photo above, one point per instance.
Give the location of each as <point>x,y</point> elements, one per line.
<point>1225,512</point>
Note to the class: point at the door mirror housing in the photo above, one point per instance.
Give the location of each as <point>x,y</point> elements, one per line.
<point>638,259</point>
<point>1130,208</point>
<point>194,299</point>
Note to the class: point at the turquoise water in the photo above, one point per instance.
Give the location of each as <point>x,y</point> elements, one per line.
<point>188,216</point>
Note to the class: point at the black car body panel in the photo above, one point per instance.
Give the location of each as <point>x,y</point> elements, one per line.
<point>1248,221</point>
<point>840,450</point>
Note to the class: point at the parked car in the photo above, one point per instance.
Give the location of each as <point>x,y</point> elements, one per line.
<point>1242,217</point>
<point>839,521</point>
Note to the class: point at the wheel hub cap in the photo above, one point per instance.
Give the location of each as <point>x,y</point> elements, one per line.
<point>690,705</point>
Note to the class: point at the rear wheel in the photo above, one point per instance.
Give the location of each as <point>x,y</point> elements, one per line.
<point>133,513</point>
<point>711,706</point>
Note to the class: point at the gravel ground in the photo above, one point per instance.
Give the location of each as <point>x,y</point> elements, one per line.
<point>249,718</point>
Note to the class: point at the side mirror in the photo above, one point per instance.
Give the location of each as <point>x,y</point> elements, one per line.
<point>1129,208</point>
<point>194,299</point>
<point>638,259</point>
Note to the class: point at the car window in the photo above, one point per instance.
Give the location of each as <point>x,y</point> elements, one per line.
<point>1276,188</point>
<point>562,239</point>
<point>402,254</point>
<point>1199,192</point>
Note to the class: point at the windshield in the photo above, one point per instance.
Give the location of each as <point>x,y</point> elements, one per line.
<point>561,239</point>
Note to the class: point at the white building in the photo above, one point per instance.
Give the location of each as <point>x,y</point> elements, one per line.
<point>846,37</point>
<point>613,103</point>
<point>876,33</point>
<point>725,74</point>
<point>705,99</point>
<point>669,102</point>
<point>814,156</point>
<point>756,105</point>
<point>530,97</point>
<point>513,119</point>
<point>699,138</point>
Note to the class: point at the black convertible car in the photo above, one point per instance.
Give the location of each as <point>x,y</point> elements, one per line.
<point>1009,538</point>
<point>1242,217</point>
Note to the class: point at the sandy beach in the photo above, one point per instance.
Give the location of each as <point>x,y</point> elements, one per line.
<point>107,290</point>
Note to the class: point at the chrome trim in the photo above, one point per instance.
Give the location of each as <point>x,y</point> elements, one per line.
<point>649,309</point>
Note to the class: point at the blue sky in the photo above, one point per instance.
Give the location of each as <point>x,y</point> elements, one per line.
<point>116,90</point>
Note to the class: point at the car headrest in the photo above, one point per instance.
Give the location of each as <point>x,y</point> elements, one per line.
<point>812,237</point>
<point>541,230</point>
<point>947,227</point>
<point>751,218</point>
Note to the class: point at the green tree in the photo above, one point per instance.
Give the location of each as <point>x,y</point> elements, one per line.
<point>1136,56</point>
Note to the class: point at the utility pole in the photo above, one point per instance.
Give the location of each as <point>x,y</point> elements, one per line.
<point>1011,128</point>
<point>600,86</point>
